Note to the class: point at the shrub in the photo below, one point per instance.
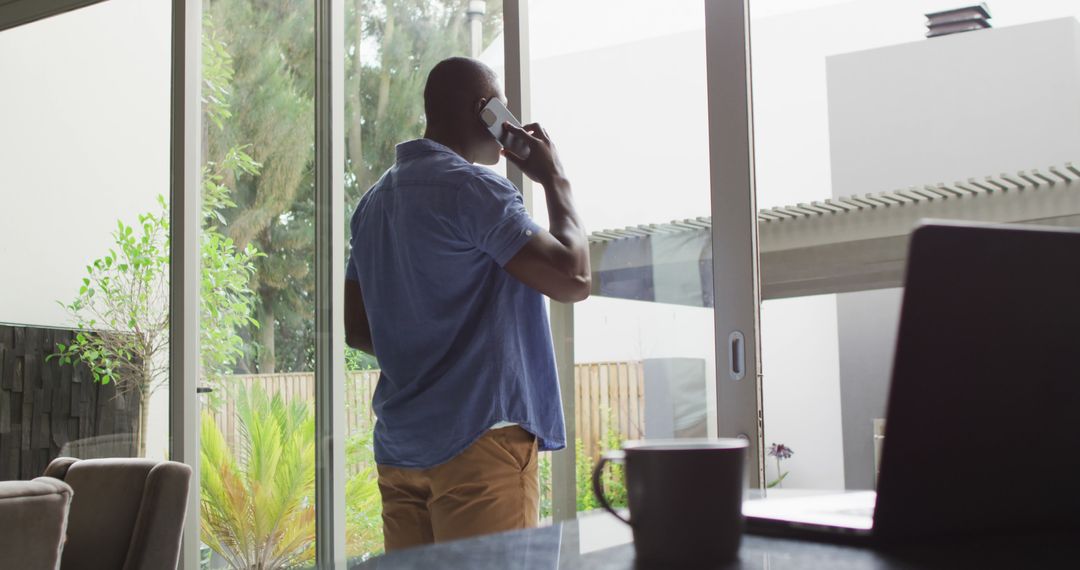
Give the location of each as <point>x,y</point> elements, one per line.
<point>363,502</point>
<point>613,478</point>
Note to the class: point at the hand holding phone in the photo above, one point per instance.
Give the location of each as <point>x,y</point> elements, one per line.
<point>543,164</point>
<point>494,115</point>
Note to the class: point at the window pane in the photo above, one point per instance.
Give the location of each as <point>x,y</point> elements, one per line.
<point>389,49</point>
<point>257,319</point>
<point>620,86</point>
<point>84,173</point>
<point>853,98</point>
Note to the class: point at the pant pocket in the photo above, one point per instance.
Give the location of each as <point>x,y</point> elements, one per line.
<point>518,444</point>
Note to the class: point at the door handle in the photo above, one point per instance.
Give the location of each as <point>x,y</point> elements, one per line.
<point>736,355</point>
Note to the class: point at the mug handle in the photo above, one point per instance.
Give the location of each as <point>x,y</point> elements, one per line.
<point>616,456</point>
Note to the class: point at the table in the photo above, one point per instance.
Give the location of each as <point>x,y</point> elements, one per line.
<point>599,542</point>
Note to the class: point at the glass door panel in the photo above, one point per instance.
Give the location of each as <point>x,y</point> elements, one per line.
<point>867,118</point>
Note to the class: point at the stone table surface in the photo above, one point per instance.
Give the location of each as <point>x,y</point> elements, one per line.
<point>599,542</point>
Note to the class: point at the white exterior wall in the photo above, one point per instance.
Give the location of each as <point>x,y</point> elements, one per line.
<point>941,110</point>
<point>931,111</point>
<point>84,141</point>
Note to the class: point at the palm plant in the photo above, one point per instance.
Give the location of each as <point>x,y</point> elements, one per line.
<point>257,508</point>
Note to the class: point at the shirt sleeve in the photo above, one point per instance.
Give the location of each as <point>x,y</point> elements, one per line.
<point>492,217</point>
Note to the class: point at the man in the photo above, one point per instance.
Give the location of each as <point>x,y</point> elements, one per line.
<point>445,287</point>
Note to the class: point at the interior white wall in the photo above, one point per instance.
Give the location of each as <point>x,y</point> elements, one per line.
<point>84,141</point>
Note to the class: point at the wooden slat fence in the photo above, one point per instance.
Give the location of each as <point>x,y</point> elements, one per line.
<point>608,396</point>
<point>300,387</point>
<point>609,399</point>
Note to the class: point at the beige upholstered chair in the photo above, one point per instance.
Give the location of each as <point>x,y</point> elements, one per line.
<point>126,514</point>
<point>33,515</point>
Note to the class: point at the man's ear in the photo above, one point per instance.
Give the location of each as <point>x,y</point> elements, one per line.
<point>480,104</point>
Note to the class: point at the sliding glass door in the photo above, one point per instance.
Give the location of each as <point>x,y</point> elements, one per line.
<point>620,88</point>
<point>257,293</point>
<point>870,115</point>
<point>390,46</point>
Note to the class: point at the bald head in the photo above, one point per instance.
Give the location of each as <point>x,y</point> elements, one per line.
<point>456,91</point>
<point>453,88</point>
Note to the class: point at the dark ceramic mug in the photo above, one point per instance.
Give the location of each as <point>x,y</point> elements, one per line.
<point>685,498</point>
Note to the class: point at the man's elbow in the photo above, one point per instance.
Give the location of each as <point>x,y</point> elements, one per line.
<point>576,290</point>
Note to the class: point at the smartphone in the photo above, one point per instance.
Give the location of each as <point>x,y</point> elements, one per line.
<point>493,115</point>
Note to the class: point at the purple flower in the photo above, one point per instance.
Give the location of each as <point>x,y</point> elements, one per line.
<point>780,451</point>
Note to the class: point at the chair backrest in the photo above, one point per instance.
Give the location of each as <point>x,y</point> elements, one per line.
<point>110,445</point>
<point>126,513</point>
<point>32,519</point>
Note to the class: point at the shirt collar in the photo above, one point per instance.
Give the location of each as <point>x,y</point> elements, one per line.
<point>422,146</point>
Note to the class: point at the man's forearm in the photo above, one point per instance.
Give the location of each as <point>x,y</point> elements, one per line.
<point>361,343</point>
<point>565,226</point>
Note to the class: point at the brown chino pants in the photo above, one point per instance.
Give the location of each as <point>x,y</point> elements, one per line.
<point>492,486</point>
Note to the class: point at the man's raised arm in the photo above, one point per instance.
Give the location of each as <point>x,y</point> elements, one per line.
<point>554,262</point>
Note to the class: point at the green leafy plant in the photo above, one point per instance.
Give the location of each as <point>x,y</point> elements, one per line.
<point>543,467</point>
<point>226,298</point>
<point>122,308</point>
<point>257,508</point>
<point>358,360</point>
<point>613,478</point>
<point>124,299</point>
<point>363,502</point>
<point>228,270</point>
<point>583,466</point>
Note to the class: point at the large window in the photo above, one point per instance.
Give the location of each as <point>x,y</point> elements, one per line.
<point>84,233</point>
<point>861,126</point>
<point>621,88</point>
<point>853,98</point>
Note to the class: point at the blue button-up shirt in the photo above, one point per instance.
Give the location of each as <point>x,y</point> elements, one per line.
<point>462,344</point>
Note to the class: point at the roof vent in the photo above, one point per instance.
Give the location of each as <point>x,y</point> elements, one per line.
<point>966,19</point>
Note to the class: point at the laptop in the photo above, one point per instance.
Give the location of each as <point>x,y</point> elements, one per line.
<point>983,417</point>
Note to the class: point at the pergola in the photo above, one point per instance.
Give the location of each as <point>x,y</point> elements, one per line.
<point>839,245</point>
